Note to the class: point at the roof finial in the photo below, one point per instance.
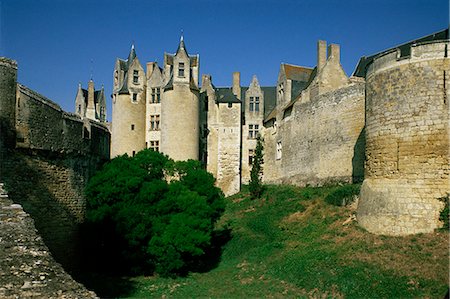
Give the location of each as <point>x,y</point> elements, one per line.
<point>92,69</point>
<point>181,38</point>
<point>132,45</point>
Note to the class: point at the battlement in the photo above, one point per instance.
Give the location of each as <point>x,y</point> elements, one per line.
<point>8,62</point>
<point>414,53</point>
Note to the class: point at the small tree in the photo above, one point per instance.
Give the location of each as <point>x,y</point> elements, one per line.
<point>255,185</point>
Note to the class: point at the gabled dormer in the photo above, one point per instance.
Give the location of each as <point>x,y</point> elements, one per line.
<point>128,74</point>
<point>254,98</point>
<point>181,68</point>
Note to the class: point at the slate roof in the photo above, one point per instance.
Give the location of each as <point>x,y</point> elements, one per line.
<point>405,50</point>
<point>225,95</point>
<point>97,95</point>
<point>297,73</point>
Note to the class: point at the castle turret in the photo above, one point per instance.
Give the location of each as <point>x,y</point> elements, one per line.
<point>128,114</point>
<point>90,109</point>
<point>8,77</point>
<point>180,105</point>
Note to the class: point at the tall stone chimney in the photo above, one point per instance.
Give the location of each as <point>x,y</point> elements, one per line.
<point>334,53</point>
<point>237,84</point>
<point>321,53</point>
<point>90,109</point>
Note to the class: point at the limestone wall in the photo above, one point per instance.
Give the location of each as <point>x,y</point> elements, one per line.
<point>229,136</point>
<point>407,135</point>
<point>28,269</point>
<point>180,123</point>
<point>321,140</point>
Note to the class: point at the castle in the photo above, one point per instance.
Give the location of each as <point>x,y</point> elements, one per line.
<point>387,124</point>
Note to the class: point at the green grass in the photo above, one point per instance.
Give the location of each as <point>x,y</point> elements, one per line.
<point>291,243</point>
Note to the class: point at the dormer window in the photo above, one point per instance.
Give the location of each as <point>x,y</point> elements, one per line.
<point>181,69</point>
<point>135,76</point>
<point>254,104</point>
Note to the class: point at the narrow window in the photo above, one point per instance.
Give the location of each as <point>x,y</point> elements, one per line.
<point>230,105</point>
<point>154,122</point>
<point>252,104</point>
<point>158,95</point>
<point>251,154</point>
<point>134,153</point>
<point>132,127</point>
<point>134,97</point>
<point>135,76</point>
<point>279,150</point>
<point>257,104</point>
<point>157,122</point>
<point>79,109</point>
<point>153,95</point>
<point>181,69</point>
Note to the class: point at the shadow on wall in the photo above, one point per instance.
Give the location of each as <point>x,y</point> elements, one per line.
<point>29,184</point>
<point>359,156</point>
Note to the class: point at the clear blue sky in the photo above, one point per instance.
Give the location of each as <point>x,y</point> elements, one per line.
<point>57,43</point>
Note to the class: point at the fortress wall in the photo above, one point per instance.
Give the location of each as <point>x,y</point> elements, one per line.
<point>321,140</point>
<point>28,269</point>
<point>229,158</point>
<point>407,133</point>
<point>47,165</point>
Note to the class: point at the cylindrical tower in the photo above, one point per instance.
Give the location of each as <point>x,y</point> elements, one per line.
<point>180,108</point>
<point>8,82</point>
<point>128,108</point>
<point>407,141</point>
<point>180,122</point>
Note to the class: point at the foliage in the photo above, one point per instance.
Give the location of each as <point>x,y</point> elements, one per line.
<point>255,185</point>
<point>150,223</point>
<point>296,247</point>
<point>444,214</point>
<point>343,195</point>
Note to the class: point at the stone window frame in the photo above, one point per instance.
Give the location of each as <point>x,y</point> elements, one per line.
<point>135,76</point>
<point>253,130</point>
<point>279,150</point>
<point>156,95</point>
<point>155,122</point>
<point>154,145</point>
<point>181,70</point>
<point>132,127</point>
<point>251,155</point>
<point>254,104</point>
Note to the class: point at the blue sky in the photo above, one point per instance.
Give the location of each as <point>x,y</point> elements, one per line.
<point>60,43</point>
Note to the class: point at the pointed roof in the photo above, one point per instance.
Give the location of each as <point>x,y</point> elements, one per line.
<point>181,46</point>
<point>132,55</point>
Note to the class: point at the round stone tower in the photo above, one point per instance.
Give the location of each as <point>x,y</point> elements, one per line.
<point>8,82</point>
<point>180,106</point>
<point>128,107</point>
<point>407,140</point>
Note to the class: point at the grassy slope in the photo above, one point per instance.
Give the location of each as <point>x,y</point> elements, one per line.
<point>292,244</point>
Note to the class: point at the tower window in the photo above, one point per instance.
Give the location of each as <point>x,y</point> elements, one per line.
<point>132,127</point>
<point>251,154</point>
<point>79,109</point>
<point>181,69</point>
<point>154,145</point>
<point>279,150</point>
<point>135,76</point>
<point>253,131</point>
<point>156,95</point>
<point>134,97</point>
<point>254,104</point>
<point>134,153</point>
<point>154,122</point>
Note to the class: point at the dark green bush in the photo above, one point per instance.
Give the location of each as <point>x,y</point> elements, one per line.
<point>444,214</point>
<point>255,185</point>
<point>343,195</point>
<point>150,223</point>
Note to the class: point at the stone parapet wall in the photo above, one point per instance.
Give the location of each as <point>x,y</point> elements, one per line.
<point>41,124</point>
<point>27,268</point>
<point>407,141</point>
<point>322,139</point>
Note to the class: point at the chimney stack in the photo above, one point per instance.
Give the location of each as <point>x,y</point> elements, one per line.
<point>237,84</point>
<point>334,52</point>
<point>321,53</point>
<point>90,109</point>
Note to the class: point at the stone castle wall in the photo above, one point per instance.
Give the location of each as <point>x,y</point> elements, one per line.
<point>407,133</point>
<point>48,163</point>
<point>28,269</point>
<point>321,140</point>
